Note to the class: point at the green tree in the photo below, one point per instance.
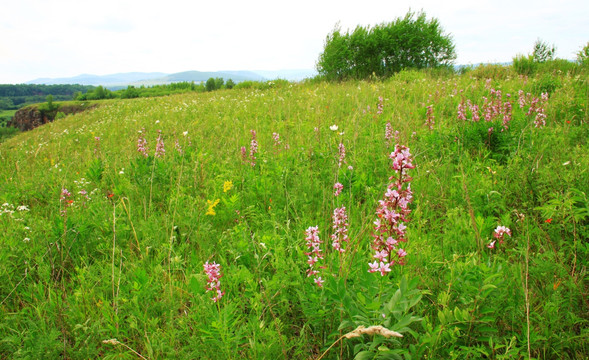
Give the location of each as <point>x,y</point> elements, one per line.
<point>210,84</point>
<point>230,84</point>
<point>543,52</point>
<point>409,42</point>
<point>583,55</point>
<point>219,83</point>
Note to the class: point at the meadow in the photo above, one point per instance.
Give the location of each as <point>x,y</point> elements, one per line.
<point>275,222</point>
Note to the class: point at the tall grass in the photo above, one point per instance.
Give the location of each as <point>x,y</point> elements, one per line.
<point>124,259</point>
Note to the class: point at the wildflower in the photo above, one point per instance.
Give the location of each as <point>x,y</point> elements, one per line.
<point>160,150</point>
<point>185,133</point>
<point>227,185</point>
<point>333,127</point>
<point>380,106</point>
<point>65,200</point>
<point>461,111</point>
<point>548,221</point>
<point>213,272</point>
<point>340,228</point>
<point>211,207</point>
<point>430,117</point>
<point>96,145</point>
<point>392,213</point>
<point>499,234</point>
<point>142,144</point>
<point>313,243</point>
<point>388,133</point>
<point>276,138</point>
<point>342,154</point>
<point>338,189</point>
<point>22,208</point>
<point>178,147</point>
<point>253,148</point>
<point>26,239</point>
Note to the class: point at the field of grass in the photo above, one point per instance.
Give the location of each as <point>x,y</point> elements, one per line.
<point>104,246</point>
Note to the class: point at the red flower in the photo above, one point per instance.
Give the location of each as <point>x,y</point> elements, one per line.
<point>548,220</point>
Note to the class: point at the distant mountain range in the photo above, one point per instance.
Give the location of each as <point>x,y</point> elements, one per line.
<point>158,78</point>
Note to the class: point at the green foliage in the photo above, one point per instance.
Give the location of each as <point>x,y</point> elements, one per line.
<point>211,84</point>
<point>525,65</point>
<point>583,55</point>
<point>543,51</point>
<point>383,50</point>
<point>491,71</point>
<point>121,257</point>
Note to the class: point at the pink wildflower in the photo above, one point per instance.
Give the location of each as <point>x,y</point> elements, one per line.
<point>388,134</point>
<point>160,150</point>
<point>338,189</point>
<point>380,105</point>
<point>430,117</point>
<point>340,228</point>
<point>461,111</point>
<point>313,244</point>
<point>276,138</point>
<point>342,154</point>
<point>213,272</point>
<point>392,213</point>
<point>142,144</point>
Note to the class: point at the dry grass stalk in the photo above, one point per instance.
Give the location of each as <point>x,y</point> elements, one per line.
<point>372,330</point>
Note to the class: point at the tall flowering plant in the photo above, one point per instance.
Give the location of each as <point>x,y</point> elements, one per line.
<point>314,254</point>
<point>392,212</point>
<point>213,272</point>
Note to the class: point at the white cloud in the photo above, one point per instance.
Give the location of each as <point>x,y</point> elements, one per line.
<point>69,37</point>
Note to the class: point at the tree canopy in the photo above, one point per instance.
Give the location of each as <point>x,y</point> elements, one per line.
<point>409,42</point>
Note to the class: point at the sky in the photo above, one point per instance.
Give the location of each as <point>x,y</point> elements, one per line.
<point>64,38</point>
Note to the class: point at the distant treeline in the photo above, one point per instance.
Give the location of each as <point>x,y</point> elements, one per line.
<point>13,97</point>
<point>211,84</point>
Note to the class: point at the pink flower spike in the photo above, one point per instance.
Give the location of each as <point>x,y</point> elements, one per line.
<point>338,187</point>
<point>319,281</point>
<point>401,253</point>
<point>491,245</point>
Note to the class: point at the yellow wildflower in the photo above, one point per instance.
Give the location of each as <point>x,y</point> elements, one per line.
<point>227,185</point>
<point>211,209</point>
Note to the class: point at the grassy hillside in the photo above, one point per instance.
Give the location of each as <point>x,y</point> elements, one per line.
<point>101,241</point>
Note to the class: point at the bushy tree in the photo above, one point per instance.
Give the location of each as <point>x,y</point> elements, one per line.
<point>210,84</point>
<point>219,83</point>
<point>583,55</point>
<point>409,42</point>
<point>230,84</point>
<point>543,52</point>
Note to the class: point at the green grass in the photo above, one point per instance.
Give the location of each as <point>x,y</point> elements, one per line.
<point>127,262</point>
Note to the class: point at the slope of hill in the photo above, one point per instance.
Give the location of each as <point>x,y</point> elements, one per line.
<point>271,222</point>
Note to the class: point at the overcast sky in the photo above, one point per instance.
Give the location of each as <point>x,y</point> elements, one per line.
<point>63,38</point>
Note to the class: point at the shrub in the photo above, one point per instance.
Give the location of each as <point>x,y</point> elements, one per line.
<point>386,49</point>
<point>491,71</point>
<point>583,55</point>
<point>524,65</point>
<point>543,52</point>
